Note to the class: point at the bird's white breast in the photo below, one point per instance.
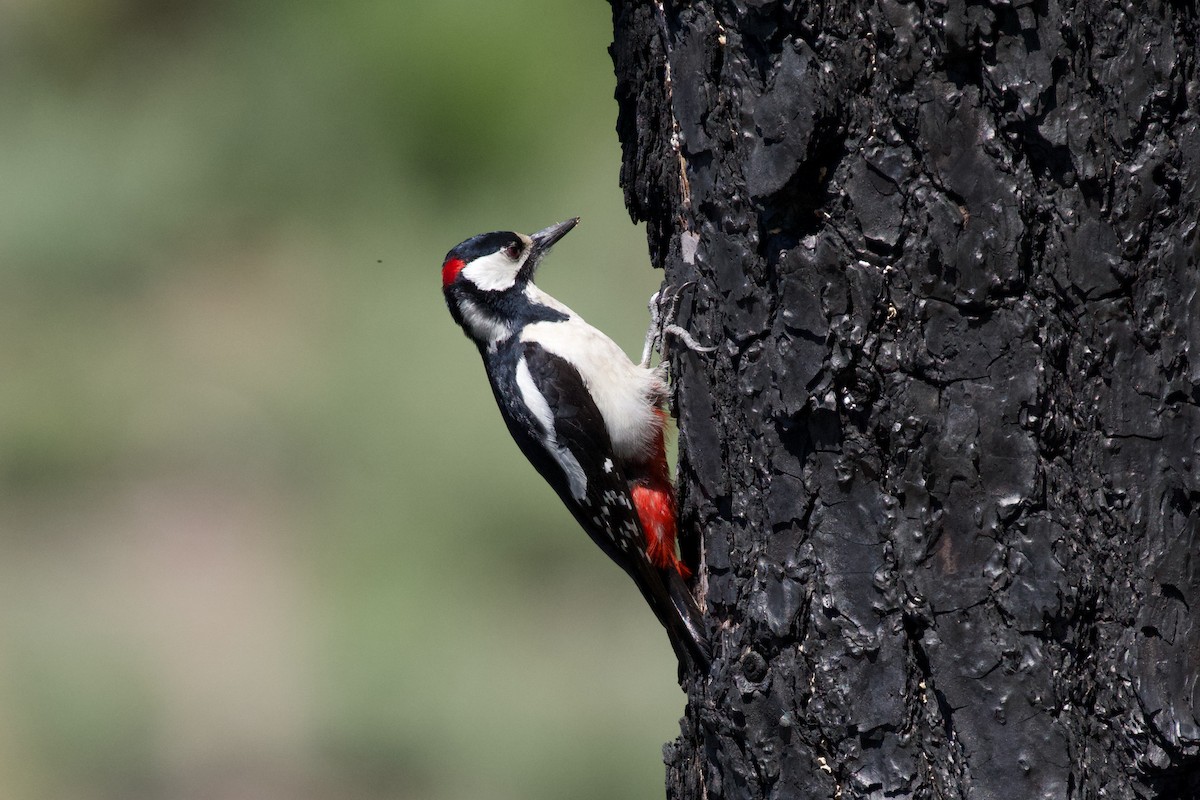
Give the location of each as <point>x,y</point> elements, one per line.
<point>626,393</point>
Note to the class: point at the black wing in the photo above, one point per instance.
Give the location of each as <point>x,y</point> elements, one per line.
<point>567,442</point>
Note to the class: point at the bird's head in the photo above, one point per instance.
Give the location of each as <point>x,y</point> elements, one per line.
<point>484,279</point>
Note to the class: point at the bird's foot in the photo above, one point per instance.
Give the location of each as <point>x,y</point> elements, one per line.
<point>662,325</point>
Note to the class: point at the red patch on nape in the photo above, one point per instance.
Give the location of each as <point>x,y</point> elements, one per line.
<point>450,270</point>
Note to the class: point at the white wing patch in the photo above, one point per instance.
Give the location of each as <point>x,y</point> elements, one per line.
<point>536,402</point>
<point>625,393</point>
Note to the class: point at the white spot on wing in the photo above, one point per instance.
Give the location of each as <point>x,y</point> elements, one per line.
<point>536,402</point>
<point>608,465</point>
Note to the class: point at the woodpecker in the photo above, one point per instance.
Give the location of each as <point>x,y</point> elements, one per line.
<point>589,419</point>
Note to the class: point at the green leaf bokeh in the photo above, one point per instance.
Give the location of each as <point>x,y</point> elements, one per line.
<point>262,532</point>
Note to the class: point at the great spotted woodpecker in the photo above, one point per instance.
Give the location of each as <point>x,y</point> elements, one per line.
<point>588,418</point>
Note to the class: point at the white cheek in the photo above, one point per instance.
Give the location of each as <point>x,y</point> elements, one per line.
<point>494,273</point>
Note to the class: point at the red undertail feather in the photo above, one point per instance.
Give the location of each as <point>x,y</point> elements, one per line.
<point>654,498</point>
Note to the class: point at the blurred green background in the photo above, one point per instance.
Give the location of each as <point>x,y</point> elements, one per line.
<point>262,532</point>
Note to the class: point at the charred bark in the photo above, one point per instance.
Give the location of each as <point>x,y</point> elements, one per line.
<point>942,473</point>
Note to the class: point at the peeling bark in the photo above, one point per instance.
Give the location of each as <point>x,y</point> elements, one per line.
<point>942,472</point>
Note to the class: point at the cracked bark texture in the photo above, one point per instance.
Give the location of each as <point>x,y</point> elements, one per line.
<point>941,476</point>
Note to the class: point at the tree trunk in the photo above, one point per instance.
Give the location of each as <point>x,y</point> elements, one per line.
<point>941,475</point>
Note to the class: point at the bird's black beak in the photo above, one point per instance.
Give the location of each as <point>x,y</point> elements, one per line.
<point>544,239</point>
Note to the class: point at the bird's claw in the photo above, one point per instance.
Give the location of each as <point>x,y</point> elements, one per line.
<point>662,324</point>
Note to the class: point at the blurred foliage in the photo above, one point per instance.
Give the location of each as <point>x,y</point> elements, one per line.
<point>262,533</point>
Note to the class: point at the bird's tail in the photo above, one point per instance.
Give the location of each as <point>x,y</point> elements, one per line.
<point>679,614</point>
<point>672,602</point>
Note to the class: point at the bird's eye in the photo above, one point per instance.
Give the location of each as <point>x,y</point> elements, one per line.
<point>513,250</point>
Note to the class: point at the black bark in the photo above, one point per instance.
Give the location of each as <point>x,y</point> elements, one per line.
<point>941,475</point>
